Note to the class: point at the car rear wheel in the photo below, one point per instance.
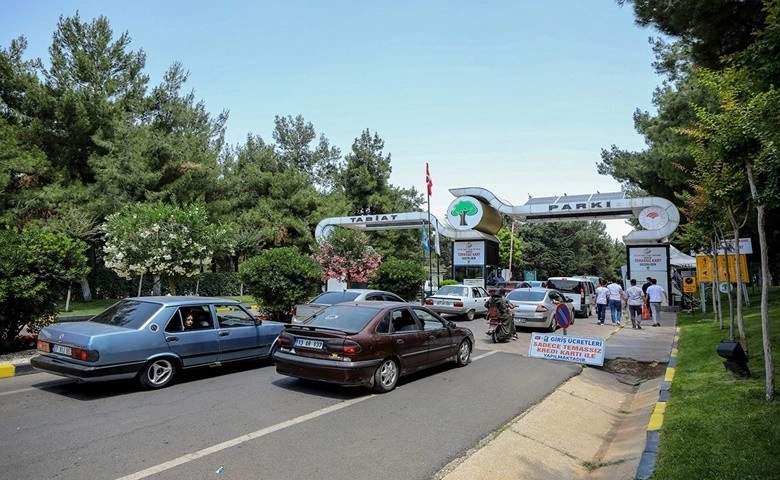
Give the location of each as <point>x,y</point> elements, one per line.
<point>464,354</point>
<point>469,315</point>
<point>386,376</point>
<point>158,373</point>
<point>553,324</point>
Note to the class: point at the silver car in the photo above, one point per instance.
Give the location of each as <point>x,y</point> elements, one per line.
<point>152,339</point>
<point>467,301</point>
<point>535,307</point>
<point>304,311</point>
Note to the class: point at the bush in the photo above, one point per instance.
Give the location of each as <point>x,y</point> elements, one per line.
<point>402,277</point>
<point>449,281</point>
<point>279,278</point>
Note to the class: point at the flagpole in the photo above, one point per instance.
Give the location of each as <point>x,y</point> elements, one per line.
<point>429,190</point>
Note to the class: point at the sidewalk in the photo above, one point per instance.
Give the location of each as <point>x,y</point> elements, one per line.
<point>597,425</point>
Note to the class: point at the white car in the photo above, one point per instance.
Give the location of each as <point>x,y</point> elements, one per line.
<point>304,311</point>
<point>465,300</point>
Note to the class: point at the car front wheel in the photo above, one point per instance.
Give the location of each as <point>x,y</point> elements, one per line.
<point>386,376</point>
<point>158,373</point>
<point>464,354</point>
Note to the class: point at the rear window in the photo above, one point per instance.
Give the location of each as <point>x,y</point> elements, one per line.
<point>347,318</point>
<point>127,313</point>
<point>572,286</point>
<point>337,296</point>
<point>525,296</point>
<point>454,291</point>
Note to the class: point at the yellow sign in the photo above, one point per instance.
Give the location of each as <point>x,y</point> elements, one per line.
<point>704,268</point>
<point>689,284</point>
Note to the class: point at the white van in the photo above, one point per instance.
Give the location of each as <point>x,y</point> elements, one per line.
<point>579,289</point>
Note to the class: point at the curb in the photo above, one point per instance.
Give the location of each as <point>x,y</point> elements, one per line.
<point>647,462</point>
<point>8,370</point>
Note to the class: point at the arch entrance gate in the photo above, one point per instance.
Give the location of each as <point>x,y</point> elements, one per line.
<point>476,214</point>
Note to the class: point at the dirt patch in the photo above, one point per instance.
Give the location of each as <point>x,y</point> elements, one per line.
<point>631,372</point>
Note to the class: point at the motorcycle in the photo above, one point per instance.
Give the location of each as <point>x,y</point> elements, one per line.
<point>498,333</point>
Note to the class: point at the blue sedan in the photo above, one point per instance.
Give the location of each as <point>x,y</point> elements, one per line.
<point>152,339</point>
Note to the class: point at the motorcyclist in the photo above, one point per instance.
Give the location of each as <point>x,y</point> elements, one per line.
<point>507,324</point>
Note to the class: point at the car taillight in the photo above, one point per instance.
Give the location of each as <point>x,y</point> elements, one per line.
<point>350,348</point>
<point>541,308</point>
<point>84,355</point>
<point>458,304</point>
<point>428,301</point>
<point>295,311</point>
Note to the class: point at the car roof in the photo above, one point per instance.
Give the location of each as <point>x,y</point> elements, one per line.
<point>359,290</point>
<point>174,300</point>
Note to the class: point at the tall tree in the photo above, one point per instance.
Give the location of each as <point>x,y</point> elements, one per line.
<point>294,137</point>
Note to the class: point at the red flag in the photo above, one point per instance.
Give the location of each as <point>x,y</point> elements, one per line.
<point>428,180</point>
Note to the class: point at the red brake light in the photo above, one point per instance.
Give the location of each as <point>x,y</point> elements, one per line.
<point>350,348</point>
<point>84,355</point>
<point>428,301</point>
<point>541,308</point>
<point>458,304</point>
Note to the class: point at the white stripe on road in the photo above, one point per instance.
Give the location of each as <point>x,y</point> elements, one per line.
<point>239,440</point>
<point>17,391</point>
<point>259,433</point>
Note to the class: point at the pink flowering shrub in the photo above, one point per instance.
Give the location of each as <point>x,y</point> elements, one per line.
<point>346,255</point>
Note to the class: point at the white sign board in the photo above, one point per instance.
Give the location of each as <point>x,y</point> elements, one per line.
<point>469,253</point>
<point>745,247</point>
<point>589,351</point>
<point>646,258</point>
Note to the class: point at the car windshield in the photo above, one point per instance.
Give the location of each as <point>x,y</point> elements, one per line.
<point>127,313</point>
<point>526,296</point>
<point>564,285</point>
<point>343,317</point>
<point>453,290</point>
<point>337,296</point>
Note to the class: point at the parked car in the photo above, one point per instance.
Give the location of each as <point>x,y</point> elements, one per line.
<point>465,300</point>
<point>370,344</point>
<point>536,283</point>
<point>304,311</point>
<point>147,338</point>
<point>508,286</point>
<point>580,289</point>
<point>535,307</point>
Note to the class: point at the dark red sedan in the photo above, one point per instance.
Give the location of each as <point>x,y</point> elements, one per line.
<point>370,344</point>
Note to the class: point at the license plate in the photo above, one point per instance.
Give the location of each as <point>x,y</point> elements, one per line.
<point>60,349</point>
<point>444,304</point>
<point>303,342</point>
<point>520,320</point>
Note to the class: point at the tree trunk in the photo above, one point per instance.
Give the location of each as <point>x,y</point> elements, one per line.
<point>765,275</point>
<point>86,294</point>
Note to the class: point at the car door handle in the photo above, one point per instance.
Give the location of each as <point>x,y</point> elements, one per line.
<point>224,333</point>
<point>172,339</point>
<point>399,341</point>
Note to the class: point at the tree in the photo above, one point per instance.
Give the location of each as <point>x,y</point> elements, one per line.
<point>402,277</point>
<point>569,248</point>
<point>37,267</point>
<point>346,256</point>
<point>293,138</point>
<point>160,239</point>
<point>279,278</point>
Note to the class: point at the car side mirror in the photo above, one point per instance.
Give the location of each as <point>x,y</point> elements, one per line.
<point>451,324</point>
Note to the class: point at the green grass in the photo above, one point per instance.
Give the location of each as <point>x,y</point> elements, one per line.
<point>718,425</point>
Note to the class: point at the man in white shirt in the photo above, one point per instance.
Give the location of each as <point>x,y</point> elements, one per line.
<point>616,297</point>
<point>635,299</point>
<point>601,299</point>
<point>655,295</point>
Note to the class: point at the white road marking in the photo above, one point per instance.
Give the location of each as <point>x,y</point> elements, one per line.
<point>239,440</point>
<point>17,391</point>
<point>257,434</point>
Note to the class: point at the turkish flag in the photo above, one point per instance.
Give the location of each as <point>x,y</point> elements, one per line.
<point>428,180</point>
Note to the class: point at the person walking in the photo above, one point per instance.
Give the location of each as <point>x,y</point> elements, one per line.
<point>600,300</point>
<point>655,295</point>
<point>616,298</point>
<point>635,299</point>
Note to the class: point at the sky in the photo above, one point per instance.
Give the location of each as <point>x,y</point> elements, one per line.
<point>518,97</point>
